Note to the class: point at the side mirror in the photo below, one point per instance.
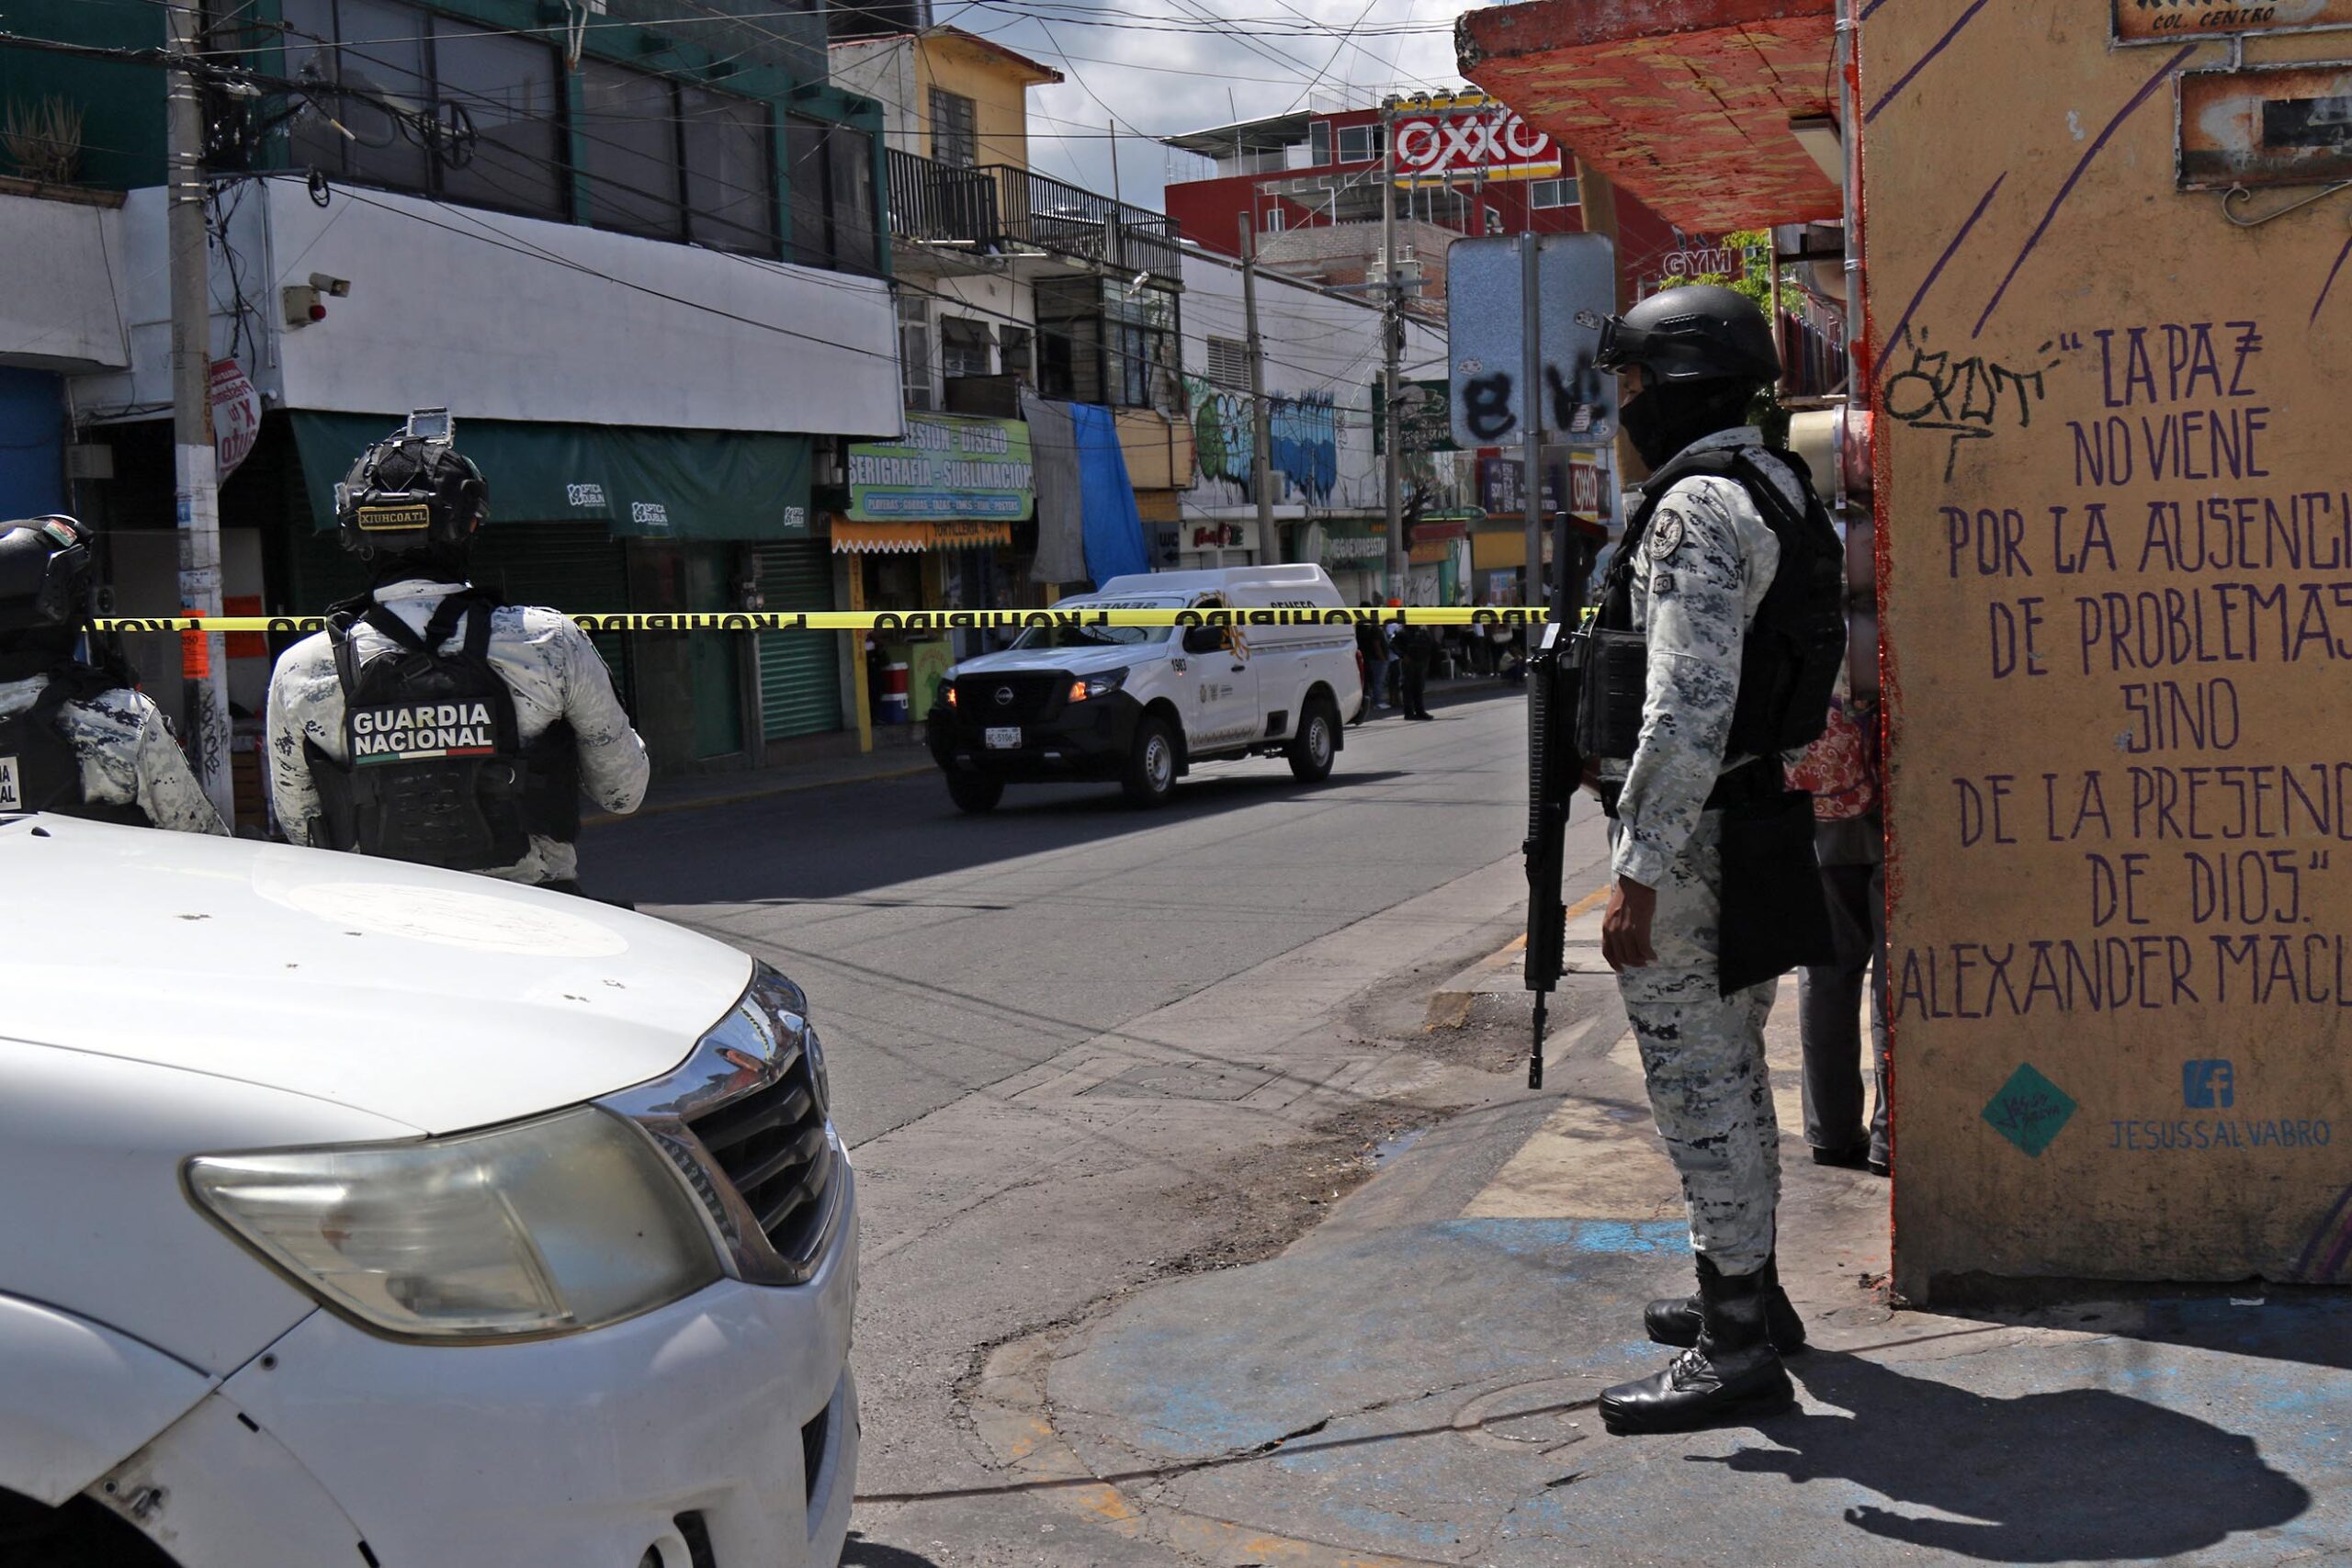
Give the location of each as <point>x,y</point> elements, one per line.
<point>1204,639</point>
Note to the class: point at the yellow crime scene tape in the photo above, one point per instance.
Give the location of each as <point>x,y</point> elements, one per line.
<point>912,620</point>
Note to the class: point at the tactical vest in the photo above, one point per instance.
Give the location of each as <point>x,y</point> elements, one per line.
<point>40,769</point>
<point>1790,659</point>
<point>434,769</point>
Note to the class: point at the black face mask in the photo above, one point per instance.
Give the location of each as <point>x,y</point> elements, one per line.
<point>1664,419</point>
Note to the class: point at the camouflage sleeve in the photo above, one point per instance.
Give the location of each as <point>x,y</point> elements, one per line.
<point>1692,562</point>
<point>613,766</point>
<point>168,790</point>
<point>293,796</point>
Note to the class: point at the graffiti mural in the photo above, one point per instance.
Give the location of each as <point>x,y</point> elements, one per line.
<point>1304,431</point>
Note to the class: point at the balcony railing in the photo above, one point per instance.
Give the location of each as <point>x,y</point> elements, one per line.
<point>997,208</point>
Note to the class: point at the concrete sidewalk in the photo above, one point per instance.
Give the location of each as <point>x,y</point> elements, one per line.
<point>1412,1382</point>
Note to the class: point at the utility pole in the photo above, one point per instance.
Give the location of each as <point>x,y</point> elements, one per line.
<point>196,481</point>
<point>1261,439</point>
<point>1391,340</point>
<point>1530,462</point>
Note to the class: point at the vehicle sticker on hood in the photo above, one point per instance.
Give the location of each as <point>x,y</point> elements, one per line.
<point>450,917</point>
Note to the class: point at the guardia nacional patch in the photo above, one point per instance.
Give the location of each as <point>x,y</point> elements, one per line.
<point>1665,536</point>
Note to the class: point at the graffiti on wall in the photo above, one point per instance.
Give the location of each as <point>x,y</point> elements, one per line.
<point>1304,432</point>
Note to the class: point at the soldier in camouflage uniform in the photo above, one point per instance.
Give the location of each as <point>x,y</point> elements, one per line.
<point>362,751</point>
<point>76,738</point>
<point>1701,570</point>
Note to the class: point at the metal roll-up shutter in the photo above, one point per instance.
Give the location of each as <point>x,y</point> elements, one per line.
<point>800,688</point>
<point>577,568</point>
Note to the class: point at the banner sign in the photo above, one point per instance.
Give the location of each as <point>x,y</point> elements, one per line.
<point>949,467</point>
<point>1470,135</point>
<point>2184,21</point>
<point>1424,417</point>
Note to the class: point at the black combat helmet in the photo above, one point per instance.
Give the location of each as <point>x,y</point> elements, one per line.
<point>1698,331</point>
<point>407,493</point>
<point>45,570</point>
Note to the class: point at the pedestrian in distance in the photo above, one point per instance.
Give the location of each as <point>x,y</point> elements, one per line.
<point>1416,645</point>
<point>77,737</point>
<point>1373,648</point>
<point>432,721</point>
<point>1720,622</point>
<point>1849,840</point>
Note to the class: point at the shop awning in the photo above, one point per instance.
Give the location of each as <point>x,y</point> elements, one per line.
<point>640,482</point>
<point>1688,104</point>
<point>905,539</point>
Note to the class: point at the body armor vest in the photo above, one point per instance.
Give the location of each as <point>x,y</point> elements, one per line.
<point>40,768</point>
<point>436,771</point>
<point>1789,658</point>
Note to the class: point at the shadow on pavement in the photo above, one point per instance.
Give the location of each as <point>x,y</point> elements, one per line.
<point>2311,1325</point>
<point>859,1552</point>
<point>789,847</point>
<point>2081,1474</point>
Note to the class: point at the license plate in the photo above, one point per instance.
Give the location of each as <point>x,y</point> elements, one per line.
<point>1008,739</point>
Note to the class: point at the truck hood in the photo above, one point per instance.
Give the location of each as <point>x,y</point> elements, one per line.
<point>432,998</point>
<point>1063,660</point>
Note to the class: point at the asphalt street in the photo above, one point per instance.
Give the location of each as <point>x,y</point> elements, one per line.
<point>1076,1047</point>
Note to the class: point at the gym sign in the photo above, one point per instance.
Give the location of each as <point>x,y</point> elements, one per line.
<point>1468,135</point>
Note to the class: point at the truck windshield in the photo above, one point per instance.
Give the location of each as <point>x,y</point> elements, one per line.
<point>1093,637</point>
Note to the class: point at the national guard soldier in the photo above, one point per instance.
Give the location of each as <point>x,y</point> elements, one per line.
<point>1717,637</point>
<point>431,721</point>
<point>76,738</point>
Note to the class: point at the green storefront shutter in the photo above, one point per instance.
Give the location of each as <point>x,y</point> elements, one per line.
<point>577,568</point>
<point>800,690</point>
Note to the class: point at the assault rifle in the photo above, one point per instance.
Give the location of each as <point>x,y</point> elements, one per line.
<point>1554,769</point>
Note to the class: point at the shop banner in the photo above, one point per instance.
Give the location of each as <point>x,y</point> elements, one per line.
<point>950,467</point>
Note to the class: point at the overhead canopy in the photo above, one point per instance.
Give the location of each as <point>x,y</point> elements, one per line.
<point>640,482</point>
<point>1685,103</point>
<point>906,538</point>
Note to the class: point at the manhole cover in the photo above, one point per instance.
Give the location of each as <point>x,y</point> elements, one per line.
<point>1183,1081</point>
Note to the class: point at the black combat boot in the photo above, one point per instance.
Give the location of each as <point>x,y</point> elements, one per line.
<point>1732,1371</point>
<point>1675,1320</point>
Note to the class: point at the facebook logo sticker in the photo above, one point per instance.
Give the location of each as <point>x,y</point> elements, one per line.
<point>2207,1085</point>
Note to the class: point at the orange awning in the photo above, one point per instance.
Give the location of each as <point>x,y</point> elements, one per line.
<point>906,538</point>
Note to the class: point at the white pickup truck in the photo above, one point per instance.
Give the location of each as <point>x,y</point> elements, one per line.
<point>361,1213</point>
<point>1141,704</point>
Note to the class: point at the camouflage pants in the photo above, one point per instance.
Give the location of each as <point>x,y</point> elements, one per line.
<point>1703,1057</point>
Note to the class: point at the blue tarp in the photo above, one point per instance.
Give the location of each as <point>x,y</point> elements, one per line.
<point>1115,541</point>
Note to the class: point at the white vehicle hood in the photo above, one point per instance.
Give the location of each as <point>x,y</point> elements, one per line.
<point>432,998</point>
<point>1065,661</point>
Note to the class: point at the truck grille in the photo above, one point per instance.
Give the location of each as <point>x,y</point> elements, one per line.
<point>771,1145</point>
<point>985,699</point>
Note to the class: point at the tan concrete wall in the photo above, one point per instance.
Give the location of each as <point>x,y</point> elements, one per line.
<point>2116,485</point>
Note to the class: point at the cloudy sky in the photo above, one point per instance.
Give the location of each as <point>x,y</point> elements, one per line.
<point>1162,66</point>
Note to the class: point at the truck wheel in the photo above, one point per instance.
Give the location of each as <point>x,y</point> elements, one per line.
<point>1316,742</point>
<point>1150,777</point>
<point>974,793</point>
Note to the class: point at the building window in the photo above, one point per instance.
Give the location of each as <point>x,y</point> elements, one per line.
<point>1229,362</point>
<point>1359,143</point>
<point>1318,143</point>
<point>831,180</point>
<point>914,354</point>
<point>952,137</point>
<point>491,104</point>
<point>1016,360</point>
<point>671,160</point>
<point>1100,341</point>
<point>1276,220</point>
<point>1551,193</point>
<point>965,347</point>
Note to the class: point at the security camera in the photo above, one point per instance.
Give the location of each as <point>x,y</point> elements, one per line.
<point>337,287</point>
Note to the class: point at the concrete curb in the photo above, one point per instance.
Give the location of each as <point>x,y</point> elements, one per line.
<point>1499,974</point>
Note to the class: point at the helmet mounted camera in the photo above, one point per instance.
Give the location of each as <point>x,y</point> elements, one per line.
<point>411,491</point>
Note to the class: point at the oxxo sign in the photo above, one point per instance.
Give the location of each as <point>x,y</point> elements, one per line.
<point>1489,140</point>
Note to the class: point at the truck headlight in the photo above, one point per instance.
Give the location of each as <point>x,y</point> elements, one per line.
<point>548,1227</point>
<point>1096,685</point>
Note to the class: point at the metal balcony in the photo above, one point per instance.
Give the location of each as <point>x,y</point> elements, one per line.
<point>998,209</point>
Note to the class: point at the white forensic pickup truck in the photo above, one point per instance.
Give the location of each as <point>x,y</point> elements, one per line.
<point>361,1213</point>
